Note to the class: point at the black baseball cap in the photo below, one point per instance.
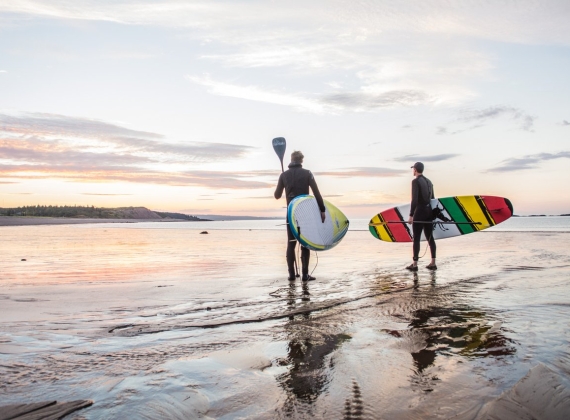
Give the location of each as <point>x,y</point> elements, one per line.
<point>418,166</point>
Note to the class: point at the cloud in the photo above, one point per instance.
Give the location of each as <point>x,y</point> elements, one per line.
<point>477,118</point>
<point>481,116</point>
<point>366,101</point>
<point>530,22</point>
<point>39,146</point>
<point>35,151</point>
<point>113,195</point>
<point>528,162</point>
<point>3,71</point>
<point>564,122</point>
<point>387,53</point>
<point>43,124</point>
<point>254,93</point>
<point>51,129</point>
<point>441,131</point>
<point>373,172</point>
<point>326,103</point>
<point>432,158</point>
<point>210,179</point>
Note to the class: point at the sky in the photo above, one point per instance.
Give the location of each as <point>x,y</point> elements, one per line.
<point>172,105</point>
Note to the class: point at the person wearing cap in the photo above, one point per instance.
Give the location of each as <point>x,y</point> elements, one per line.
<point>296,181</point>
<point>420,211</point>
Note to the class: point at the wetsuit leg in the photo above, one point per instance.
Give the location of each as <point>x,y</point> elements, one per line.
<point>417,230</point>
<point>305,256</point>
<point>428,232</point>
<point>423,214</point>
<point>291,244</point>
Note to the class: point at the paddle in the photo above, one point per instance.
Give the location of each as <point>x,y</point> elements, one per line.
<point>439,223</point>
<point>279,146</point>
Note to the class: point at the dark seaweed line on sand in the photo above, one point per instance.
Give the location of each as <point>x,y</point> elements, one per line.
<point>300,311</point>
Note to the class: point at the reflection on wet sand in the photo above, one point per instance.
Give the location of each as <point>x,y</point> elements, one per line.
<point>308,358</point>
<point>293,295</point>
<point>441,324</point>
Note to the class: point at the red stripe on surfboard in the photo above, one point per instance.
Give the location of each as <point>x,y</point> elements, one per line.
<point>399,231</point>
<point>497,207</point>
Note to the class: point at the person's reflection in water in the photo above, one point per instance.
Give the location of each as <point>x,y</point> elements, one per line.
<point>307,358</point>
<point>423,358</point>
<point>432,276</point>
<point>292,295</point>
<point>306,293</point>
<point>309,367</point>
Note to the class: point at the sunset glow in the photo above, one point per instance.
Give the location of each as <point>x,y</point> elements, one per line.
<point>172,105</point>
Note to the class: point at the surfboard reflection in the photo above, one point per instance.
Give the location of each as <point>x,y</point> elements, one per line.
<point>449,326</point>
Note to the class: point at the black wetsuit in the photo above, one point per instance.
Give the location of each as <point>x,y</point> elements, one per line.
<point>296,181</point>
<point>420,210</point>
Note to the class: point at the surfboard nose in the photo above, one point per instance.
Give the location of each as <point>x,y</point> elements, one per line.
<point>509,205</point>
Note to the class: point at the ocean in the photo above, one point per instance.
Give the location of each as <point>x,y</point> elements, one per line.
<point>159,320</point>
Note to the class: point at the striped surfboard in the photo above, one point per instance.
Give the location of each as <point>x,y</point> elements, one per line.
<point>466,214</point>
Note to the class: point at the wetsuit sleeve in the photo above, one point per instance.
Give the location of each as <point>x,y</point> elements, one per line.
<point>316,192</point>
<point>432,192</point>
<point>280,187</point>
<point>415,196</point>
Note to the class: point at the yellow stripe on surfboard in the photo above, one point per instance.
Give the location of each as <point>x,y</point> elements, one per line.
<point>381,228</point>
<point>471,208</point>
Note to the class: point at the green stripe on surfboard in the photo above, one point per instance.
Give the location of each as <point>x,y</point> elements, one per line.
<point>457,214</point>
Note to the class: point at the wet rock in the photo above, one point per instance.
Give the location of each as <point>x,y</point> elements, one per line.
<point>204,232</point>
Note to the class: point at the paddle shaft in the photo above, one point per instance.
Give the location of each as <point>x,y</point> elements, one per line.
<point>279,145</point>
<point>443,223</point>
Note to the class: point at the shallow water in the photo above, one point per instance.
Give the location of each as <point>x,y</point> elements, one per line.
<point>157,321</point>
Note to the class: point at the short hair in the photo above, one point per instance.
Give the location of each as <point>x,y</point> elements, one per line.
<point>297,156</point>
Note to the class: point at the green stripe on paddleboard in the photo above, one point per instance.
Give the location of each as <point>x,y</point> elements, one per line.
<point>372,230</point>
<point>457,214</point>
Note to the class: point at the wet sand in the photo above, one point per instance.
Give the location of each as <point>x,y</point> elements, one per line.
<point>163,322</point>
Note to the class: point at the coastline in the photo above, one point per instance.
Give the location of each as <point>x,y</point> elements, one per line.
<point>36,221</point>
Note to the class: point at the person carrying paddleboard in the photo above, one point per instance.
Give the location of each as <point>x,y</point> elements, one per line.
<point>420,211</point>
<point>296,181</point>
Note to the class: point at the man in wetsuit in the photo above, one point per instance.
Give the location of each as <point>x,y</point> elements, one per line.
<point>420,211</point>
<point>296,181</point>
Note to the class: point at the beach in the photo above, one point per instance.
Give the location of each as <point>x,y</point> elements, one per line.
<point>157,320</point>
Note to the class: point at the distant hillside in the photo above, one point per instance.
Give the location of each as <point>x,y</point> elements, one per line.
<point>92,212</point>
<point>181,216</point>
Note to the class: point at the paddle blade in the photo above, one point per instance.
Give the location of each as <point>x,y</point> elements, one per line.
<point>279,146</point>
